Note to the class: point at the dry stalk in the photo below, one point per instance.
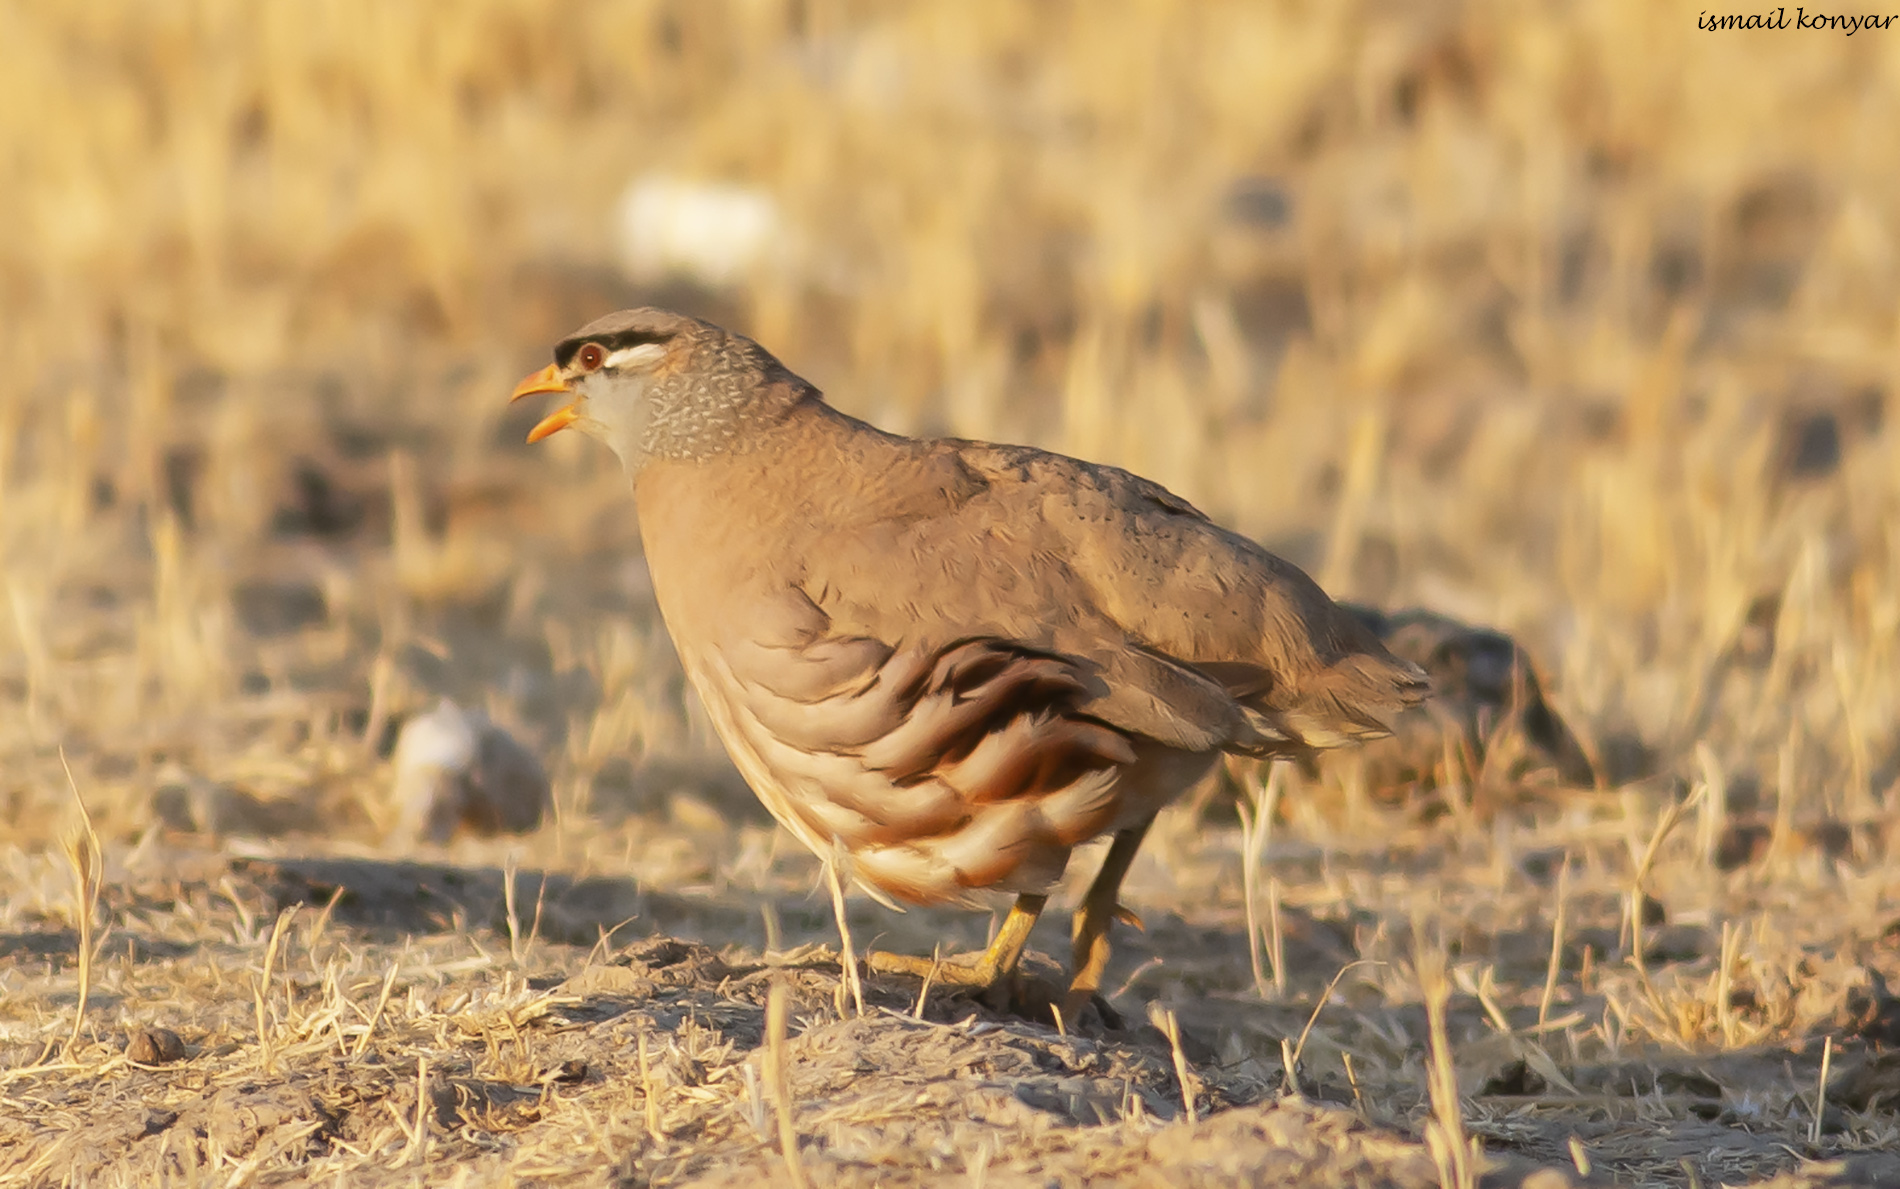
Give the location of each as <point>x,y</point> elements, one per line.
<point>247,921</point>
<point>1820,1091</point>
<point>1487,999</point>
<point>376,1015</point>
<point>777,1009</point>
<point>1325,997</point>
<point>930,976</point>
<point>603,1139</point>
<point>508,872</point>
<point>651,1092</point>
<point>1250,889</point>
<point>1529,1051</point>
<point>1352,1079</point>
<point>1725,983</point>
<point>768,915</point>
<point>1276,939</point>
<point>1256,812</point>
<point>847,957</point>
<point>1456,786</point>
<point>1556,944</point>
<point>382,672</point>
<point>980,1167</point>
<point>87,859</point>
<point>276,1146</point>
<point>1668,822</point>
<point>604,941</point>
<point>1579,1157</point>
<point>1714,815</point>
<point>1170,1026</point>
<point>534,927</point>
<point>755,1103</point>
<point>321,923</point>
<point>1134,974</point>
<point>1456,1155</point>
<point>261,991</point>
<point>416,1151</point>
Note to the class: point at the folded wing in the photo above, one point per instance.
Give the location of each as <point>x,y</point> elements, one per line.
<point>1202,640</point>
<point>940,769</point>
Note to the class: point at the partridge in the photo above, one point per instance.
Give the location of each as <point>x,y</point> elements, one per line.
<point>951,661</point>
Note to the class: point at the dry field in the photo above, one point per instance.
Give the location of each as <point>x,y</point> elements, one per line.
<point>1569,319</point>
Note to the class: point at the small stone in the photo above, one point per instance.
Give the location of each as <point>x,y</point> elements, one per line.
<point>456,770</point>
<point>154,1046</point>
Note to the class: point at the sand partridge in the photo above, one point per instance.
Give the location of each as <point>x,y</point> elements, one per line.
<point>952,661</point>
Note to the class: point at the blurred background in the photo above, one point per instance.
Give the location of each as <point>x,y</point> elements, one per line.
<point>1569,319</point>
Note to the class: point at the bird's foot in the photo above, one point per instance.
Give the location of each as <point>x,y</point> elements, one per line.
<point>973,976</point>
<point>960,970</point>
<point>1035,990</point>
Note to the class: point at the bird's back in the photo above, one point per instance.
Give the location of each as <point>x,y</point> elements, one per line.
<point>1202,640</point>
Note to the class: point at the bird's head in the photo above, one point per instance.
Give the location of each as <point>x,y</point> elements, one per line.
<point>651,383</point>
<point>608,369</point>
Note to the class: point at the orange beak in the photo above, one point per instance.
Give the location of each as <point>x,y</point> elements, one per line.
<point>548,379</point>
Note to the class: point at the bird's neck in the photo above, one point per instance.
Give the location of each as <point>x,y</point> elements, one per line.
<point>814,468</point>
<point>727,404</point>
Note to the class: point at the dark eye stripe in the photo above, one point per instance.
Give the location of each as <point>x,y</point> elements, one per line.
<point>608,343</point>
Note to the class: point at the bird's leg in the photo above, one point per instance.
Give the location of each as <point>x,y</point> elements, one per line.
<point>1006,951</point>
<point>1098,910</point>
<point>997,966</point>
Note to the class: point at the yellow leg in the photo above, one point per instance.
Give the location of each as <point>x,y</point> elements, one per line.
<point>1098,910</point>
<point>996,966</point>
<point>1006,951</point>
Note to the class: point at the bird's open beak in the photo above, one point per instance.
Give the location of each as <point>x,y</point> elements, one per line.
<point>548,379</point>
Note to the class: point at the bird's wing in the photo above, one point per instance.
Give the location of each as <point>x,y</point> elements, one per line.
<point>939,768</point>
<point>1202,639</point>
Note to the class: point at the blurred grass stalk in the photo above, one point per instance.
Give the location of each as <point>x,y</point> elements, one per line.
<point>1257,810</point>
<point>87,861</point>
<point>1459,1157</point>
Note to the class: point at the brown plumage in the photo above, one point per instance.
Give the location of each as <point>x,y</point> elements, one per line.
<point>957,661</point>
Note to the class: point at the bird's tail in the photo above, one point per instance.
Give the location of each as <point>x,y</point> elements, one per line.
<point>1355,699</point>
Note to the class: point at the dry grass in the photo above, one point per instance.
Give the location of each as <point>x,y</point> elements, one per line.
<point>1573,320</point>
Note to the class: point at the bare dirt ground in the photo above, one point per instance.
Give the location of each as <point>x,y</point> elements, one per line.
<point>1573,321</point>
<point>280,1019</point>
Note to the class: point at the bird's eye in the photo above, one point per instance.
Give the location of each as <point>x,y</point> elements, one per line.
<point>591,357</point>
